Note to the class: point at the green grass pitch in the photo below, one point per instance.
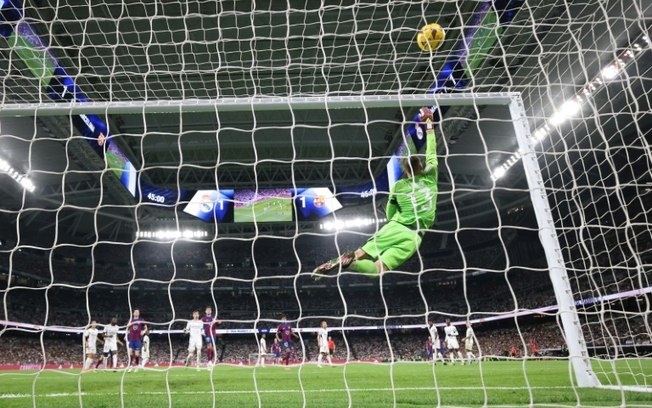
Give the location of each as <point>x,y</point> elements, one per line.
<point>268,210</point>
<point>115,164</point>
<point>369,385</point>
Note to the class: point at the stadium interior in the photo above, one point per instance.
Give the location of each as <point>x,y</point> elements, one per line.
<point>70,251</point>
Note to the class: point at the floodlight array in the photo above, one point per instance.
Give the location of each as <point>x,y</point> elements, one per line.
<point>573,106</point>
<point>172,234</point>
<point>353,223</point>
<point>19,178</point>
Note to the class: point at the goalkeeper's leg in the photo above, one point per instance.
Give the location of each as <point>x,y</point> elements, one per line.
<point>365,265</point>
<point>390,248</point>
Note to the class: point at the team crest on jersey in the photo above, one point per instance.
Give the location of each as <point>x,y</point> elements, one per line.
<point>319,201</point>
<point>206,203</point>
<point>100,139</point>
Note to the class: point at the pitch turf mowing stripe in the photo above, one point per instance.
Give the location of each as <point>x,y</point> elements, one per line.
<point>307,391</point>
<point>368,385</point>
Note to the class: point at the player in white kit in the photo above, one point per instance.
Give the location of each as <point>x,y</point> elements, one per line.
<point>144,351</point>
<point>469,339</point>
<point>90,345</point>
<point>195,328</point>
<point>322,341</point>
<point>262,350</point>
<point>436,343</point>
<point>111,342</point>
<point>451,342</point>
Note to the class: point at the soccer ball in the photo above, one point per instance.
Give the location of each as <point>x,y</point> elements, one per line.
<point>431,37</point>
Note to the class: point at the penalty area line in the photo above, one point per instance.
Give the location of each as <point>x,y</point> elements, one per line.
<point>309,391</point>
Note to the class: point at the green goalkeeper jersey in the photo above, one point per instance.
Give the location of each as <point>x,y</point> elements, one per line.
<point>413,201</point>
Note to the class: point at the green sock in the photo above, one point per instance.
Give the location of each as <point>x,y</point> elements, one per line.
<point>366,266</point>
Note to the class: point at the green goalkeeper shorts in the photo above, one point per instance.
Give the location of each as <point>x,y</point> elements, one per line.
<point>393,244</point>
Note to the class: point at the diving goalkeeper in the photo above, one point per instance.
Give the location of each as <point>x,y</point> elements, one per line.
<point>410,210</point>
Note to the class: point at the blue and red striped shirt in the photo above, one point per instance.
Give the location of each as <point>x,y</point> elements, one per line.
<point>135,329</point>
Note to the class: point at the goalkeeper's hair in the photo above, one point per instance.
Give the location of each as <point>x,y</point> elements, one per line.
<point>412,165</point>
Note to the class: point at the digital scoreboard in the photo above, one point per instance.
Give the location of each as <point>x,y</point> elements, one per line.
<point>263,205</point>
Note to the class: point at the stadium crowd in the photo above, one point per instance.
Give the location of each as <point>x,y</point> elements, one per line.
<point>402,345</point>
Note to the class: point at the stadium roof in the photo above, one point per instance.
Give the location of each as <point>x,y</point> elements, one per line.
<point>208,50</point>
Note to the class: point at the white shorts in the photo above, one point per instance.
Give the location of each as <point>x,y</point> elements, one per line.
<point>468,345</point>
<point>452,343</point>
<point>110,346</point>
<point>91,349</point>
<point>324,349</point>
<point>195,344</point>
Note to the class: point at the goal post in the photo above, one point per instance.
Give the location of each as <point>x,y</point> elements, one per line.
<point>573,336</point>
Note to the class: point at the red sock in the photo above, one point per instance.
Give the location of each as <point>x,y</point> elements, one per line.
<point>137,358</point>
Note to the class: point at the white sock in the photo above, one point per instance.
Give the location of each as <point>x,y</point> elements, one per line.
<point>115,361</point>
<point>89,362</point>
<point>319,358</point>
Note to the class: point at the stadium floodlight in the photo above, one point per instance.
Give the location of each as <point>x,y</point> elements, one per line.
<point>498,172</point>
<point>167,234</point>
<point>567,110</point>
<point>610,71</point>
<point>338,225</point>
<point>572,106</point>
<point>19,178</point>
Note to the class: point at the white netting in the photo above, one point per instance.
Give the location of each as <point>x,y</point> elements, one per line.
<point>85,244</point>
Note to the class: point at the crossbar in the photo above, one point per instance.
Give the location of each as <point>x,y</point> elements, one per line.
<point>255,103</point>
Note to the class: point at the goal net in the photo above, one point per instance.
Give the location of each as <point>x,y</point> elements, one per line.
<point>172,157</point>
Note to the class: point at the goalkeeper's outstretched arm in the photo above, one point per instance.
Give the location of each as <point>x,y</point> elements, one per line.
<point>432,164</point>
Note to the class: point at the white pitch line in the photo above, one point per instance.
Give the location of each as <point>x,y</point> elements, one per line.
<point>307,391</point>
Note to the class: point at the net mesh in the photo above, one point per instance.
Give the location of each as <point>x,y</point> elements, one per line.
<point>87,245</point>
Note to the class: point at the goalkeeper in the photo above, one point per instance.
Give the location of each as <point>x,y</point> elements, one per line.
<point>410,210</point>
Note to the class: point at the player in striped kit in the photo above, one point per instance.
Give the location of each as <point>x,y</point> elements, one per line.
<point>284,333</point>
<point>210,324</point>
<point>322,341</point>
<point>134,339</point>
<point>90,345</point>
<point>195,329</point>
<point>276,350</point>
